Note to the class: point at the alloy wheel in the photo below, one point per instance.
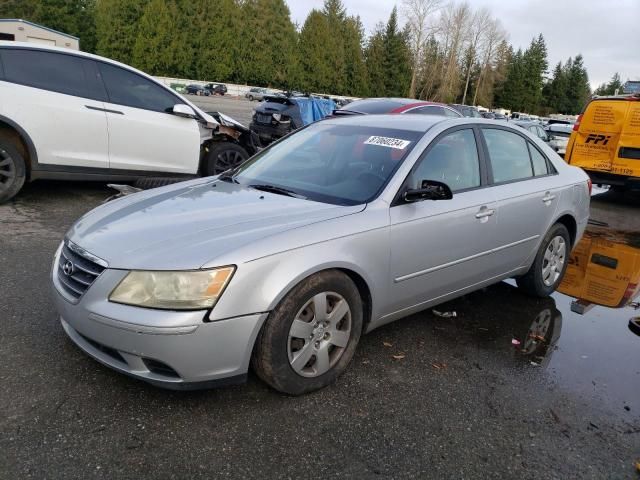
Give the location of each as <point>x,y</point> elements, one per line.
<point>319,334</point>
<point>226,160</point>
<point>553,260</point>
<point>7,170</point>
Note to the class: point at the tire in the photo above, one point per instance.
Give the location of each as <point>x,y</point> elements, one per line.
<point>550,263</point>
<point>222,156</point>
<point>12,170</point>
<point>281,348</point>
<point>250,98</point>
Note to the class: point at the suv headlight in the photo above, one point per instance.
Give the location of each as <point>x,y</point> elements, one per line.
<point>189,290</point>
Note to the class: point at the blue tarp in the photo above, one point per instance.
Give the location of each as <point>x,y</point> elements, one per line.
<point>313,109</point>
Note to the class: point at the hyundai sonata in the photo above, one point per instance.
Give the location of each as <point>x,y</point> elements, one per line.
<point>282,264</point>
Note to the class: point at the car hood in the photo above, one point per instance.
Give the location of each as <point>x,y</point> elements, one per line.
<point>187,225</point>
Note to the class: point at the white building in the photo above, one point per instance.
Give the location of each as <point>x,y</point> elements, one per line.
<point>24,31</point>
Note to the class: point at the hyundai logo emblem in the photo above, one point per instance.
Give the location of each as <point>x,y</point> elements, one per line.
<point>68,268</point>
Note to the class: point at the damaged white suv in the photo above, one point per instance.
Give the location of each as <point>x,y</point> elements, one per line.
<point>74,116</point>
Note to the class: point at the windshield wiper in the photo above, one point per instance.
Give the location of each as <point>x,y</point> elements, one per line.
<point>277,190</point>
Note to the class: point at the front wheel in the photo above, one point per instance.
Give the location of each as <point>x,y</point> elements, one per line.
<point>311,336</point>
<point>12,170</point>
<point>223,156</point>
<point>550,263</point>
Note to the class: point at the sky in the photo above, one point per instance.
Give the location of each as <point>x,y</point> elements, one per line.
<point>605,32</point>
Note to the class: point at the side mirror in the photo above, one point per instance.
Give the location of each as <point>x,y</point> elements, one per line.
<point>429,190</point>
<point>182,110</point>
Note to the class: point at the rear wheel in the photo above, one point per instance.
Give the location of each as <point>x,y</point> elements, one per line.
<point>550,263</point>
<point>251,98</point>
<point>12,170</point>
<point>311,336</point>
<point>222,156</point>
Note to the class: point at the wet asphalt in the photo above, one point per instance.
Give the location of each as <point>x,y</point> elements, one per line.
<point>510,388</point>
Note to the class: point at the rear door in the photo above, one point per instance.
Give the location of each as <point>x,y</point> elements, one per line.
<point>143,133</point>
<point>527,190</point>
<point>54,98</point>
<point>439,247</point>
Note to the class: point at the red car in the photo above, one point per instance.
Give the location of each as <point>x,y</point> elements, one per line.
<point>396,105</point>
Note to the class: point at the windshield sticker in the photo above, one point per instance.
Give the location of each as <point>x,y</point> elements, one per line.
<point>396,143</point>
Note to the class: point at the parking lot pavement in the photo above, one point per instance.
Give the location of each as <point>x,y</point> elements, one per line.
<point>425,397</point>
<point>240,109</point>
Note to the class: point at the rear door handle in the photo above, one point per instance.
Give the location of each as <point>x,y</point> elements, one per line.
<point>485,213</point>
<point>548,197</point>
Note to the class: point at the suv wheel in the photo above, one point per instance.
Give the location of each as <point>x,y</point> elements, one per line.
<point>222,156</point>
<point>311,336</point>
<point>12,170</point>
<point>550,263</point>
<point>251,98</point>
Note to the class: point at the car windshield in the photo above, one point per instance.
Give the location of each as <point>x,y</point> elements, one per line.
<point>330,163</point>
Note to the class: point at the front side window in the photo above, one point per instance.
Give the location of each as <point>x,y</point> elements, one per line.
<point>132,90</point>
<point>338,164</point>
<point>46,70</point>
<point>452,160</point>
<point>509,155</point>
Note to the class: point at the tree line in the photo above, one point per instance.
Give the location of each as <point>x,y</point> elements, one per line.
<point>426,49</point>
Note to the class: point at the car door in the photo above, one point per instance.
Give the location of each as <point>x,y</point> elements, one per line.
<point>53,97</point>
<point>527,189</point>
<point>143,133</point>
<point>440,247</point>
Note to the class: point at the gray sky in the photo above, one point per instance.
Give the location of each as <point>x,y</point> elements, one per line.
<point>605,32</point>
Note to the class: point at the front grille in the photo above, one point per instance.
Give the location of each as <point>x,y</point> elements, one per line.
<point>263,118</point>
<point>75,272</point>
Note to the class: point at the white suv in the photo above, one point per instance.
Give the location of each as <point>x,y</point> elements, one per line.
<point>75,116</point>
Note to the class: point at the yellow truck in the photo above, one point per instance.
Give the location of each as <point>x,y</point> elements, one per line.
<point>605,141</point>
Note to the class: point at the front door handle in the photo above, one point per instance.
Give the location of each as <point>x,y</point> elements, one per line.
<point>485,213</point>
<point>548,197</point>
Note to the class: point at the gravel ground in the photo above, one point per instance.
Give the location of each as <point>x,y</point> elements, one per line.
<point>425,397</point>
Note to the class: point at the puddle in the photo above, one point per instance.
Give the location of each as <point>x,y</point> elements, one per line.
<point>579,338</point>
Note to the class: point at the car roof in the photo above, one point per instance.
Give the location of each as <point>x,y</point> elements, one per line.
<point>525,123</point>
<point>392,103</point>
<point>410,122</point>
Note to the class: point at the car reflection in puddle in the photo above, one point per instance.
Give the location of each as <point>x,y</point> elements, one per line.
<point>581,337</point>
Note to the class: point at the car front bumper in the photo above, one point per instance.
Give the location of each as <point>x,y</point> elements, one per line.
<point>170,349</point>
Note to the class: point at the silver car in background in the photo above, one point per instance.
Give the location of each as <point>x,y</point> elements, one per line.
<point>282,264</point>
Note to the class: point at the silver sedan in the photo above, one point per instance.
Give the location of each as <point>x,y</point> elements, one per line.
<point>283,263</point>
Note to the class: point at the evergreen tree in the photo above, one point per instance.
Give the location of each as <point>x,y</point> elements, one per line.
<point>578,90</point>
<point>374,61</point>
<point>117,27</point>
<point>315,59</point>
<point>534,69</point>
<point>610,88</point>
<point>152,49</point>
<point>216,40</point>
<point>356,81</point>
<point>336,17</point>
<point>396,58</point>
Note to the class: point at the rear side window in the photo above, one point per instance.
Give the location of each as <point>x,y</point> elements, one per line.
<point>509,155</point>
<point>52,71</point>
<point>132,90</point>
<point>429,110</point>
<point>451,113</point>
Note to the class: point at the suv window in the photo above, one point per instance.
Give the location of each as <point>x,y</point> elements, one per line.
<point>452,160</point>
<point>130,89</point>
<point>57,72</point>
<point>509,155</point>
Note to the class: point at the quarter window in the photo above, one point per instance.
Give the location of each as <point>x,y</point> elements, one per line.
<point>509,155</point>
<point>46,70</point>
<point>452,160</point>
<point>429,110</point>
<point>538,161</point>
<point>130,89</point>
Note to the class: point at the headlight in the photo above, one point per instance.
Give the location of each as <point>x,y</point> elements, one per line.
<point>193,290</point>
